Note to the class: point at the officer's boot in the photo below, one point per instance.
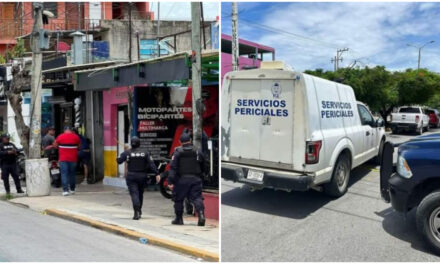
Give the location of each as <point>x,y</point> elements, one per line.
<point>202,218</point>
<point>7,186</point>
<point>136,214</point>
<point>178,220</point>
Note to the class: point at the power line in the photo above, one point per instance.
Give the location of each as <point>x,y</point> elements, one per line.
<point>276,30</point>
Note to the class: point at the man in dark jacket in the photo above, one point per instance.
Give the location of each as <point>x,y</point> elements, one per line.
<point>185,178</point>
<point>8,156</point>
<point>139,164</point>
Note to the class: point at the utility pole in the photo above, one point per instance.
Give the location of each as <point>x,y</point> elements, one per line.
<point>36,79</point>
<point>235,44</point>
<point>158,29</point>
<point>338,58</point>
<point>333,60</point>
<point>129,31</point>
<point>203,26</point>
<point>197,104</point>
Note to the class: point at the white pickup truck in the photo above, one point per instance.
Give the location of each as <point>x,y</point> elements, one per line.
<point>409,118</point>
<point>289,131</point>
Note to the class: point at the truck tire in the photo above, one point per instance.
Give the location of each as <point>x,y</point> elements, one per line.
<point>420,131</point>
<point>378,158</point>
<point>340,177</point>
<point>428,220</point>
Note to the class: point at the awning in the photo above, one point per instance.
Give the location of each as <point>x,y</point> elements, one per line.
<point>61,77</point>
<point>163,69</point>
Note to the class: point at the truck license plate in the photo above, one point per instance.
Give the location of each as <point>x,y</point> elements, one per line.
<point>255,175</point>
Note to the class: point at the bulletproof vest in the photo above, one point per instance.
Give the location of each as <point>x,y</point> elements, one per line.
<point>137,161</point>
<point>9,158</point>
<point>188,163</point>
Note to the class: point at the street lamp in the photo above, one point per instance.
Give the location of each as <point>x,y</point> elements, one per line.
<point>420,50</point>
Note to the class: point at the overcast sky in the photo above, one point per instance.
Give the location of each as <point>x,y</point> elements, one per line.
<point>375,33</point>
<point>182,10</point>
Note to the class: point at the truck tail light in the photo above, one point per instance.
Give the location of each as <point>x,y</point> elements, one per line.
<point>312,151</point>
<point>417,118</point>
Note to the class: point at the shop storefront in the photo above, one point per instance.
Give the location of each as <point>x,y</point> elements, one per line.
<point>152,99</point>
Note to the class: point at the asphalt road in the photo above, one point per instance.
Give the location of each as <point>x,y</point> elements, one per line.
<point>272,225</point>
<point>26,235</point>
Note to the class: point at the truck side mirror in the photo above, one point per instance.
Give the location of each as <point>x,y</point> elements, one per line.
<point>380,122</point>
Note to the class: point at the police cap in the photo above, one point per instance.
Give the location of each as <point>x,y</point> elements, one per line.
<point>135,142</point>
<point>185,137</point>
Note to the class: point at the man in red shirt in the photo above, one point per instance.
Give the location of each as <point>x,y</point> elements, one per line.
<point>68,144</point>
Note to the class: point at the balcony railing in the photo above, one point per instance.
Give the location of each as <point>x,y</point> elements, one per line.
<point>11,28</point>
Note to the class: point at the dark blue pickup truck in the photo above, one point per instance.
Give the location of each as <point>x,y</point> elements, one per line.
<point>414,182</point>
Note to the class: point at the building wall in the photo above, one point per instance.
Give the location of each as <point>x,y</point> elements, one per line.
<point>242,61</point>
<point>117,35</point>
<point>22,21</point>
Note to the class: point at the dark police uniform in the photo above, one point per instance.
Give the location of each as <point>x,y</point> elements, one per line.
<point>139,164</point>
<point>9,166</point>
<point>186,171</point>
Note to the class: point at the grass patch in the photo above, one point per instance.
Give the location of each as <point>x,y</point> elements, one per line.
<point>5,197</point>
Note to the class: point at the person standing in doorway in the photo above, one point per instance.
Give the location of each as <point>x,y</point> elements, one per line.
<point>47,142</point>
<point>8,156</point>
<point>49,138</point>
<point>68,144</point>
<point>139,164</point>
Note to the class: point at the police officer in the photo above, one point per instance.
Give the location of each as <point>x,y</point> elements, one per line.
<point>8,156</point>
<point>139,164</point>
<point>185,178</point>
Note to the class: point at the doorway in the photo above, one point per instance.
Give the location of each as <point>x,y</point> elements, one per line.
<point>123,138</point>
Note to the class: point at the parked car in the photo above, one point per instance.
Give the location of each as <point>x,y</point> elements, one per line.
<point>415,183</point>
<point>434,117</point>
<point>288,130</point>
<point>409,118</point>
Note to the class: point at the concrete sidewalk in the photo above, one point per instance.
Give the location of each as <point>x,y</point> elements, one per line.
<point>109,208</point>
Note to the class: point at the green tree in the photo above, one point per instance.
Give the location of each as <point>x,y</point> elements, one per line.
<point>417,87</point>
<point>16,52</point>
<point>374,86</point>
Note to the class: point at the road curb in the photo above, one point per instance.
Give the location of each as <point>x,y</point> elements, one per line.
<point>192,251</point>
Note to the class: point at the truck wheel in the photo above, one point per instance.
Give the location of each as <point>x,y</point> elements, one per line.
<point>378,159</point>
<point>340,176</point>
<point>420,131</point>
<point>428,220</point>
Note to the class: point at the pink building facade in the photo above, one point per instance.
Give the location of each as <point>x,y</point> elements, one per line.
<point>251,54</point>
<point>115,116</point>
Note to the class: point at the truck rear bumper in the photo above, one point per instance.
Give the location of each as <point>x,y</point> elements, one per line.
<point>271,178</point>
<point>404,126</point>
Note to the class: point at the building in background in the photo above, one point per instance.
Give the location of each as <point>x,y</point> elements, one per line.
<point>251,54</point>
<point>16,19</point>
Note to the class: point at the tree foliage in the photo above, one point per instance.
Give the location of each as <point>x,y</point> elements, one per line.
<point>382,90</point>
